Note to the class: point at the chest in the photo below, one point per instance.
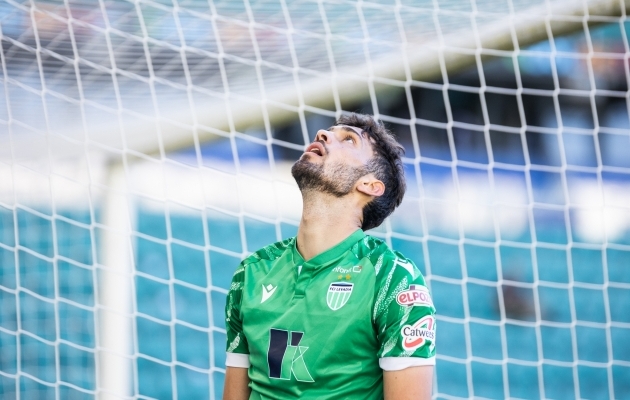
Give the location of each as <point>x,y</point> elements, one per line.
<point>327,305</point>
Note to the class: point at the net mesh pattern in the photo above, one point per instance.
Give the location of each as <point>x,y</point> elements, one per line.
<point>145,149</point>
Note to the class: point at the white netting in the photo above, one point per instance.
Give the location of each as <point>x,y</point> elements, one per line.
<point>145,149</point>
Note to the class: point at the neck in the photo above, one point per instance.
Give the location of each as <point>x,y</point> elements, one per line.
<point>326,221</point>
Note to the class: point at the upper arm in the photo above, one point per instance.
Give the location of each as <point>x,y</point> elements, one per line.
<point>404,316</point>
<point>406,327</point>
<point>409,383</point>
<point>236,386</point>
<point>236,340</point>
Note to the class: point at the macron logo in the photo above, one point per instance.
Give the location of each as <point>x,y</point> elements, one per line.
<point>267,292</point>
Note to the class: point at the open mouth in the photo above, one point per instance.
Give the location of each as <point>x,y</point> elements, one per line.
<point>316,148</point>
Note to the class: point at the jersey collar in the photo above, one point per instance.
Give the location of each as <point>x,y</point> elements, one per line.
<point>329,255</point>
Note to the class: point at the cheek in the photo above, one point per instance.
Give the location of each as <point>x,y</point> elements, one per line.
<point>363,159</point>
<point>355,157</point>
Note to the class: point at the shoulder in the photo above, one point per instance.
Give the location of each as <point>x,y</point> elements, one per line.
<point>388,264</point>
<point>268,253</point>
<point>398,282</point>
<point>375,250</point>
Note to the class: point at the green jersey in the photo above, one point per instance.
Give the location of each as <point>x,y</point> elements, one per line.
<point>327,327</point>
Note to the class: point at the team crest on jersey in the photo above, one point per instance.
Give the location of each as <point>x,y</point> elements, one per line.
<point>338,294</point>
<point>416,295</point>
<point>414,336</point>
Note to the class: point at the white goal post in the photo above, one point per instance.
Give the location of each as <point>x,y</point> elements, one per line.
<point>107,108</point>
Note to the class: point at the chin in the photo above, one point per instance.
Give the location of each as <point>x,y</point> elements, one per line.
<point>308,157</point>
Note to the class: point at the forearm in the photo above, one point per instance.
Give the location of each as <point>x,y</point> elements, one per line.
<point>236,385</point>
<point>410,383</point>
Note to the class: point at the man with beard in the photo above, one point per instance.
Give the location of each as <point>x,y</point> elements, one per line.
<point>334,313</point>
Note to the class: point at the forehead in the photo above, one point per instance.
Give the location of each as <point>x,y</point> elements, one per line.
<point>367,142</point>
<point>357,130</point>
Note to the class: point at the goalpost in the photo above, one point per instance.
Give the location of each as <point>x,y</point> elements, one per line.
<point>145,148</point>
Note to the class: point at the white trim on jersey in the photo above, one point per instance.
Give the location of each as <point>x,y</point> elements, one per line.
<point>398,363</point>
<point>237,360</point>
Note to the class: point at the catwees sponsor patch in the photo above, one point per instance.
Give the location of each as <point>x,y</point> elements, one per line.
<point>416,335</point>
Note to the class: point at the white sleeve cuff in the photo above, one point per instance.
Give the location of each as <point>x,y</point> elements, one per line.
<point>237,360</point>
<point>398,363</point>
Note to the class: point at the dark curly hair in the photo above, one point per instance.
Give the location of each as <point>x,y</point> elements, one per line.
<point>386,165</point>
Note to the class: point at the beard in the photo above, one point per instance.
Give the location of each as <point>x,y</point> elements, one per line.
<point>338,179</point>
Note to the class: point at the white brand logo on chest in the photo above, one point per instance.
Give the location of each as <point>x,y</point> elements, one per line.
<point>267,292</point>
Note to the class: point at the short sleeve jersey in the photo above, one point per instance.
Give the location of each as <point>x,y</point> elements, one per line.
<point>327,328</point>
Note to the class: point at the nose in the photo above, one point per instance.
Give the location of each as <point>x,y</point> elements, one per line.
<point>323,135</point>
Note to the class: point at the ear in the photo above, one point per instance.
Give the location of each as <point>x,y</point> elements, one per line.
<point>370,186</point>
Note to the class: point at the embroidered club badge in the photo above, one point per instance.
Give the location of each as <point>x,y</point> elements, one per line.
<point>338,294</point>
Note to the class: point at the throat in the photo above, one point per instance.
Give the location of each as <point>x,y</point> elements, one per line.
<point>325,223</point>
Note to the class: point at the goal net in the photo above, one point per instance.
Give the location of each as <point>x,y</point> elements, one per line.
<point>145,149</point>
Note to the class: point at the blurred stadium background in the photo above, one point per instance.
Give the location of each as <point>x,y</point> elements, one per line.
<point>145,149</point>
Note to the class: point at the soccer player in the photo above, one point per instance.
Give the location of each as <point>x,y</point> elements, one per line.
<point>334,313</point>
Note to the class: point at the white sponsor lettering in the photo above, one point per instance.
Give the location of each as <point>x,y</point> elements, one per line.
<point>340,270</point>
